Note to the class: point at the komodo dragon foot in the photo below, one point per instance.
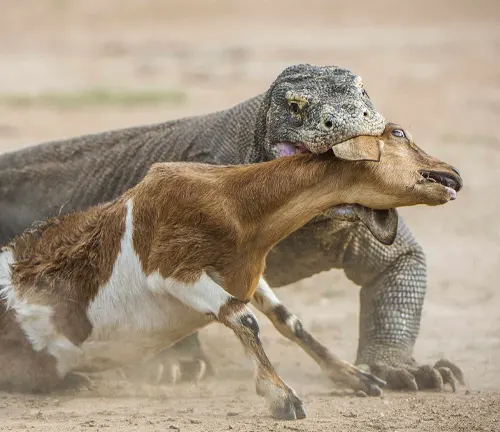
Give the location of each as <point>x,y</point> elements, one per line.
<point>183,362</point>
<point>413,376</point>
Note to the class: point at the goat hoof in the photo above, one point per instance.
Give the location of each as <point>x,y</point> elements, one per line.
<point>357,379</point>
<point>291,409</point>
<point>373,390</point>
<point>370,384</point>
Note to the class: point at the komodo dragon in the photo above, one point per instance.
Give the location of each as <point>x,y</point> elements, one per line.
<point>307,108</point>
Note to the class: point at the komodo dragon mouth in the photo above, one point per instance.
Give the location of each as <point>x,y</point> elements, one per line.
<point>383,224</point>
<point>288,149</point>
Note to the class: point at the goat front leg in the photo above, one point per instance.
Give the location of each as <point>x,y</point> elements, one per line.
<point>208,297</point>
<point>290,326</point>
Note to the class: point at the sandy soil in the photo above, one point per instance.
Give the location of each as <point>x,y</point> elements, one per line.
<point>433,66</point>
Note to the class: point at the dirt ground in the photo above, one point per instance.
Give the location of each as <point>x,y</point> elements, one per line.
<point>431,65</point>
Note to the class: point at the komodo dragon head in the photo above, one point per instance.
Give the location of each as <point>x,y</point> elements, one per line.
<point>311,109</point>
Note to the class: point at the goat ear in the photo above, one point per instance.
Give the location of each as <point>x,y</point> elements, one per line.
<point>363,148</point>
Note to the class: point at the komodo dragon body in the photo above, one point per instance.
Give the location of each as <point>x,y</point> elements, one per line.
<point>307,108</point>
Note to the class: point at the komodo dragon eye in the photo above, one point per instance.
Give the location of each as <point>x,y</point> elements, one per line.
<point>398,133</point>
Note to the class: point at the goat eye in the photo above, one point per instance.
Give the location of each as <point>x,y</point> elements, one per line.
<point>294,107</point>
<point>398,133</point>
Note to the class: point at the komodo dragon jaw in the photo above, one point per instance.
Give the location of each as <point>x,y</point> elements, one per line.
<point>312,109</point>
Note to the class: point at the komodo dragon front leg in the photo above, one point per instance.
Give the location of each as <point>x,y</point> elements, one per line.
<point>393,284</point>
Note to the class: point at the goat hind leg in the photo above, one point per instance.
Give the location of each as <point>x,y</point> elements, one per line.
<point>290,326</point>
<point>22,369</point>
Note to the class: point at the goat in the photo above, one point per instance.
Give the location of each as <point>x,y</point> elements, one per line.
<point>102,288</point>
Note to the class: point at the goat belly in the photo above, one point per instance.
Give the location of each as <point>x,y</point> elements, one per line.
<point>130,333</point>
<point>149,325</point>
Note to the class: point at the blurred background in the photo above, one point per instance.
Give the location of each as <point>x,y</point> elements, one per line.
<point>74,67</point>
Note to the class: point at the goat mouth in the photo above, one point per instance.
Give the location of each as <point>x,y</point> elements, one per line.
<point>452,183</point>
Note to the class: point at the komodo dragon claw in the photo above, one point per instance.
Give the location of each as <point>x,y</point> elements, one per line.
<point>419,377</point>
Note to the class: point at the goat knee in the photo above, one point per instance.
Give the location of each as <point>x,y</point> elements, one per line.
<point>238,317</point>
<point>287,323</point>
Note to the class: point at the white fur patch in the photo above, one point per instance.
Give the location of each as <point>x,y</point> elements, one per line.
<point>135,315</point>
<point>68,355</point>
<point>291,321</point>
<point>35,320</point>
<point>267,299</point>
<point>205,295</point>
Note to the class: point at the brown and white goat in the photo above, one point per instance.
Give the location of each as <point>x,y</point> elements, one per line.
<point>186,247</point>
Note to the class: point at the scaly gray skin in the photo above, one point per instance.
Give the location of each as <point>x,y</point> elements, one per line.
<point>316,106</point>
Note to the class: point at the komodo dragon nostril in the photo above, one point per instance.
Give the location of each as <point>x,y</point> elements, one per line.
<point>328,124</point>
<point>456,171</point>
